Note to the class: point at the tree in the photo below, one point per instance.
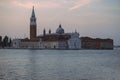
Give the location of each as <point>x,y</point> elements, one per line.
<point>5,41</point>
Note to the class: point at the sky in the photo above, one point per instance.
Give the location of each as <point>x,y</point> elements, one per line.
<point>93,18</point>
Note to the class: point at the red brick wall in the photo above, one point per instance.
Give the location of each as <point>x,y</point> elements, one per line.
<point>32,32</point>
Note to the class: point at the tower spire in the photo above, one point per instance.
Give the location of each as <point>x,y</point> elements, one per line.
<point>33,13</point>
<point>33,18</point>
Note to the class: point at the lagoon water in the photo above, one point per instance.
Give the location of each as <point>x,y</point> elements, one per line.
<point>59,64</point>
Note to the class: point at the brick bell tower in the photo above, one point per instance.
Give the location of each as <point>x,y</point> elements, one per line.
<point>33,25</point>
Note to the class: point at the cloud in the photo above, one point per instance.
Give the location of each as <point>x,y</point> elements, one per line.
<point>42,4</point>
<point>80,3</point>
<point>25,5</point>
<point>48,4</point>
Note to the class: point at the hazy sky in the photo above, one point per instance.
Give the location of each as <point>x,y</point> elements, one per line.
<point>93,18</point>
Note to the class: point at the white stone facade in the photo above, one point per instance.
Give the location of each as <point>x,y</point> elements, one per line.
<point>50,45</point>
<point>74,42</point>
<point>55,45</point>
<point>29,45</point>
<point>62,45</point>
<point>17,43</point>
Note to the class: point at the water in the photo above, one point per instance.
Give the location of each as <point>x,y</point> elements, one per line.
<point>59,64</point>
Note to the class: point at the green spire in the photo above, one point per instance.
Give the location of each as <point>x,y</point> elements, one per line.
<point>33,13</point>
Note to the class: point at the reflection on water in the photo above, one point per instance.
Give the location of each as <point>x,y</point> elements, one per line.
<point>59,65</point>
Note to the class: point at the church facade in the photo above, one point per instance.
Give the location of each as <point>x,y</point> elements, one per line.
<point>57,40</point>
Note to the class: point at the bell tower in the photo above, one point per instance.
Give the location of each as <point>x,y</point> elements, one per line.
<point>33,25</point>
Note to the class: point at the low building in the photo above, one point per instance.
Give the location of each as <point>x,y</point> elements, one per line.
<point>106,44</point>
<point>26,43</point>
<point>90,43</point>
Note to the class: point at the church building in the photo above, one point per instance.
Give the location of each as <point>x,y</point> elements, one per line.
<point>57,40</point>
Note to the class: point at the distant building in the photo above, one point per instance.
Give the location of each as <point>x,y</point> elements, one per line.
<point>90,43</point>
<point>74,42</point>
<point>58,40</point>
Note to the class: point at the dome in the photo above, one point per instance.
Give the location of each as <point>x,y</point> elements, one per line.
<point>60,30</point>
